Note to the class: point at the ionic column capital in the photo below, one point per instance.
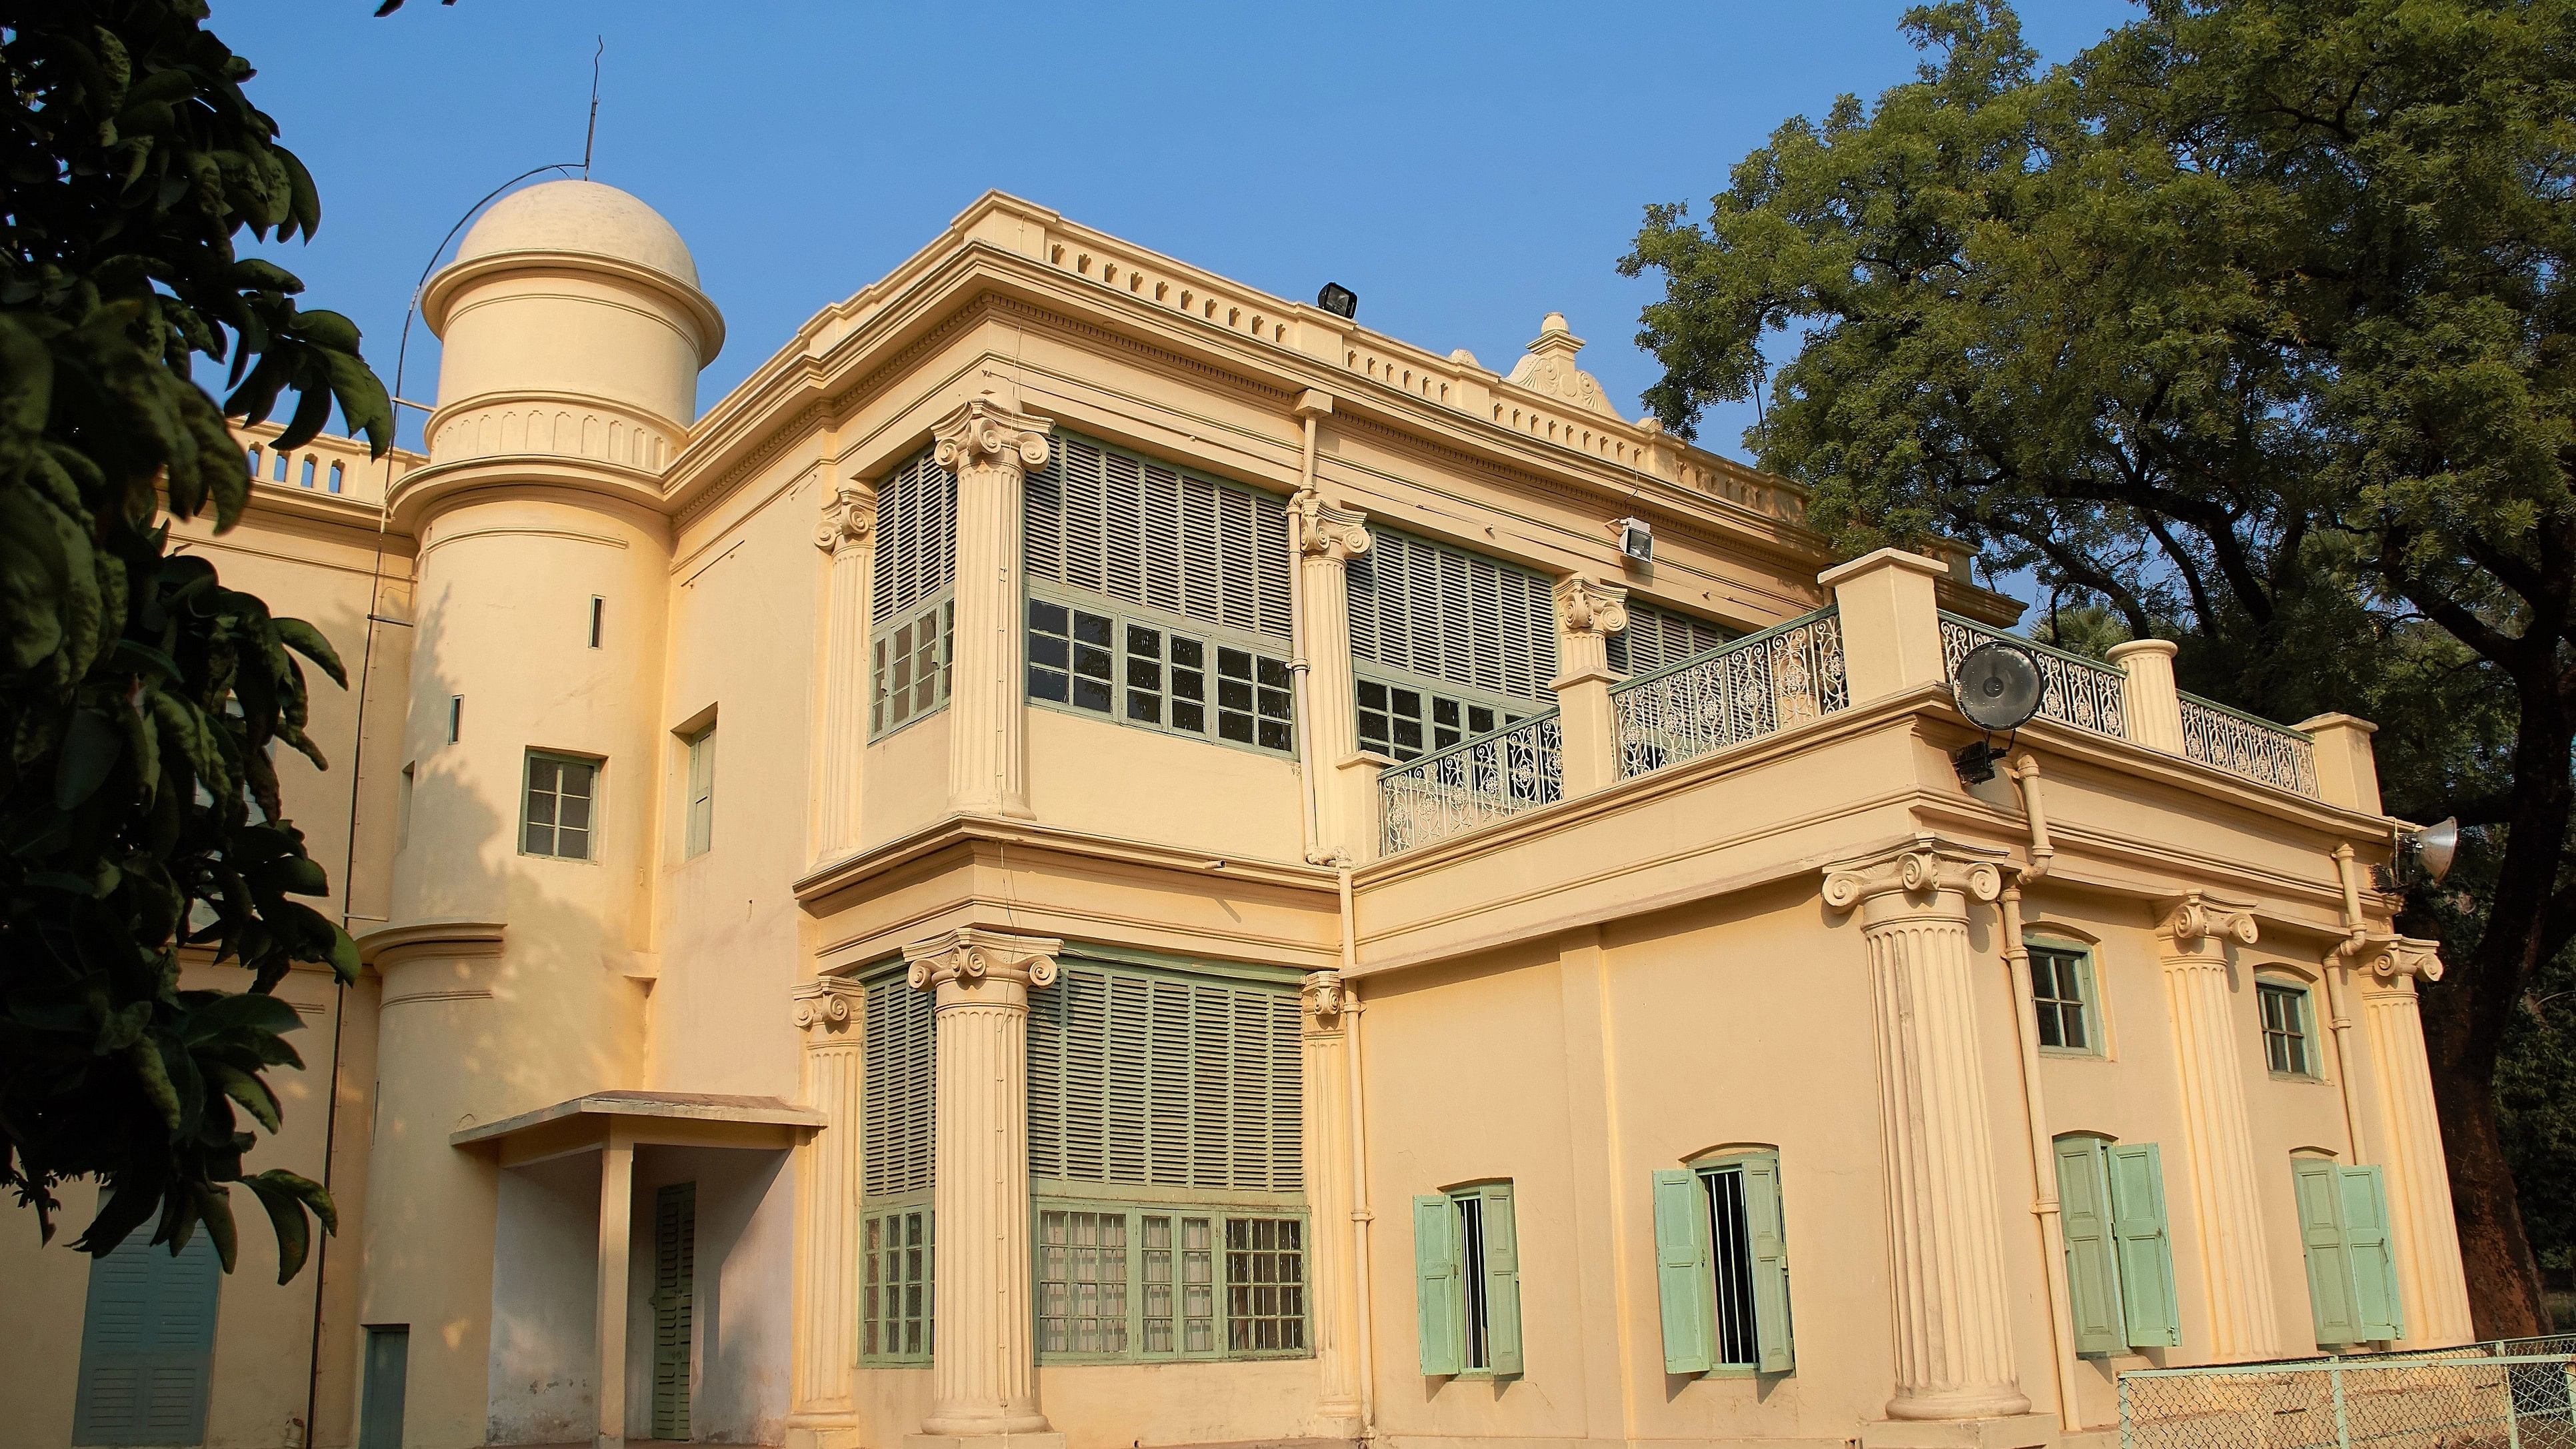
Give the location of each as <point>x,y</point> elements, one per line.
<point>1340,534</point>
<point>991,432</point>
<point>826,1009</point>
<point>2194,924</point>
<point>1918,872</point>
<point>1324,998</point>
<point>849,516</point>
<point>2394,959</point>
<point>971,957</point>
<point>1588,606</point>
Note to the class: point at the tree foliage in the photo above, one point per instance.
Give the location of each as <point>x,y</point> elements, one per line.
<point>139,697</point>
<point>2249,324</point>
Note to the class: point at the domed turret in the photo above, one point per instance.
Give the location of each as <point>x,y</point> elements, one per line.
<point>573,327</point>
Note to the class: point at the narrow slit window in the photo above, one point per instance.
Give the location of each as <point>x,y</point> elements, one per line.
<point>699,835</point>
<point>455,718</point>
<point>308,470</point>
<point>598,619</point>
<point>338,472</point>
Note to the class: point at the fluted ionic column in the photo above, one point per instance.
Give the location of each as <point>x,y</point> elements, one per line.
<point>1328,538</point>
<point>984,1366</point>
<point>829,1013</point>
<point>2435,1293</point>
<point>1954,1349</point>
<point>1334,1307</point>
<point>1588,612</point>
<point>2217,1131</point>
<point>849,516</point>
<point>992,447</point>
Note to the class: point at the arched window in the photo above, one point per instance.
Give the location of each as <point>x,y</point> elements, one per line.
<point>1722,1263</point>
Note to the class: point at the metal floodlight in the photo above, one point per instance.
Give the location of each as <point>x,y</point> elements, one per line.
<point>1636,539</point>
<point>1998,687</point>
<point>1339,300</point>
<point>2434,846</point>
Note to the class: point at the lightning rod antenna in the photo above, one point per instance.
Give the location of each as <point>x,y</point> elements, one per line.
<point>587,137</point>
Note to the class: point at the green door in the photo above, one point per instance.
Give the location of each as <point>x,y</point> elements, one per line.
<point>147,1343</point>
<point>675,1265</point>
<point>380,1396</point>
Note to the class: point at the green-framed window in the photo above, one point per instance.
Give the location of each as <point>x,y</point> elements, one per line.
<point>912,617</point>
<point>909,663</point>
<point>1141,1282</point>
<point>1140,667</point>
<point>2063,998</point>
<point>2289,1047</point>
<point>698,835</point>
<point>2119,1253</point>
<point>1657,638</point>
<point>561,795</point>
<point>1467,1282</point>
<point>898,1271</point>
<point>1406,717</point>
<point>1722,1265</point>
<point>2352,1266</point>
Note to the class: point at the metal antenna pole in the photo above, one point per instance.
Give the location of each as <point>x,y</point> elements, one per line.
<point>593,133</point>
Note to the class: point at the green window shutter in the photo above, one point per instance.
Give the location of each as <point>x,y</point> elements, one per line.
<point>2366,1245</point>
<point>388,1369</point>
<point>1766,1226</point>
<point>1502,1282</point>
<point>2092,1262</point>
<point>1435,1284</point>
<point>147,1344</point>
<point>2145,1248</point>
<point>1683,1276</point>
<point>2321,1232</point>
<point>675,1244</point>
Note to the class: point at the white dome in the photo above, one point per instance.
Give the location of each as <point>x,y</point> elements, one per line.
<point>581,216</point>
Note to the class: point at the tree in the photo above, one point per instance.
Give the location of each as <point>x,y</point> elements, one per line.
<point>139,697</point>
<point>2249,324</point>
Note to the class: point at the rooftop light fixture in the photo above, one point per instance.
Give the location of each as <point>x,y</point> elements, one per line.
<point>1339,300</point>
<point>1998,686</point>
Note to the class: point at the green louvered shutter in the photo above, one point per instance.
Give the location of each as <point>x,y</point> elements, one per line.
<point>1683,1277</point>
<point>1435,1283</point>
<point>2321,1232</point>
<point>147,1343</point>
<point>2092,1262</point>
<point>2144,1245</point>
<point>1768,1229</point>
<point>387,1373</point>
<point>1502,1282</point>
<point>675,1263</point>
<point>2376,1305</point>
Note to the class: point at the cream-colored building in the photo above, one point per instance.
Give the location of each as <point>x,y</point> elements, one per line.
<point>1095,857</point>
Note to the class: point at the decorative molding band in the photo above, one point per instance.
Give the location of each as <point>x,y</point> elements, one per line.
<point>973,955</point>
<point>2195,918</point>
<point>831,1003</point>
<point>1918,871</point>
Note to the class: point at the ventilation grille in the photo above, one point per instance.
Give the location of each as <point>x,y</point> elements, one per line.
<point>916,531</point>
<point>1139,1077</point>
<point>1657,637</point>
<point>1453,615</point>
<point>900,1105</point>
<point>1103,519</point>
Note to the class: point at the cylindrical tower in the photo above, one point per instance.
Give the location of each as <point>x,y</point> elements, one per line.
<point>574,331</point>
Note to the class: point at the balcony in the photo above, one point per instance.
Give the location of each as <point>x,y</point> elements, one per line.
<point>1793,677</point>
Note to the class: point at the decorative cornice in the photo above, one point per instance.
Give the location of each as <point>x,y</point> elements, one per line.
<point>1323,997</point>
<point>1588,606</point>
<point>2392,957</point>
<point>991,432</point>
<point>849,516</point>
<point>1917,870</point>
<point>831,1004</point>
<point>1338,533</point>
<point>971,955</point>
<point>2192,918</point>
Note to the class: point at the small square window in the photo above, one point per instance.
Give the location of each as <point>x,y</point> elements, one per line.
<point>2285,1028</point>
<point>2061,982</point>
<point>561,792</point>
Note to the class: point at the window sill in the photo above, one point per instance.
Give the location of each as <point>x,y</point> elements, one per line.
<point>2073,1054</point>
<point>934,712</point>
<point>2307,1078</point>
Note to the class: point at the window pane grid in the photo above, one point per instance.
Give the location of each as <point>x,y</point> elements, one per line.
<point>2057,996</point>
<point>1265,1284</point>
<point>1129,1283</point>
<point>1406,720</point>
<point>896,1285</point>
<point>2285,1028</point>
<point>909,664</point>
<point>559,797</point>
<point>1134,668</point>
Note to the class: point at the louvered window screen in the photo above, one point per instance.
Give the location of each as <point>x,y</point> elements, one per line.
<point>1175,1080</point>
<point>916,535</point>
<point>1453,616</point>
<point>1102,519</point>
<point>1657,638</point>
<point>899,1108</point>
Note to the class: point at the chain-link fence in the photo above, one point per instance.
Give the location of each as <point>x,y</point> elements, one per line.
<point>2463,1398</point>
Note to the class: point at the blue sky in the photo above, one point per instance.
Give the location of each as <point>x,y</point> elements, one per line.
<point>1465,169</point>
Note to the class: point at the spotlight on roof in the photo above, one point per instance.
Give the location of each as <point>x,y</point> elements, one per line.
<point>2433,846</point>
<point>1339,300</point>
<point>1998,686</point>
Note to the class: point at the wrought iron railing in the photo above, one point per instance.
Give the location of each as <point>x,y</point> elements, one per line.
<point>2240,744</point>
<point>1741,690</point>
<point>1471,783</point>
<point>2085,693</point>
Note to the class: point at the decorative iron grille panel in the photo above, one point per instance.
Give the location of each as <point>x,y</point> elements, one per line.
<point>916,535</point>
<point>2240,744</point>
<point>1107,520</point>
<point>1142,1076</point>
<point>2082,692</point>
<point>2431,1401</point>
<point>1659,638</point>
<point>899,1103</point>
<point>1453,615</point>
<point>1758,685</point>
<point>1470,784</point>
